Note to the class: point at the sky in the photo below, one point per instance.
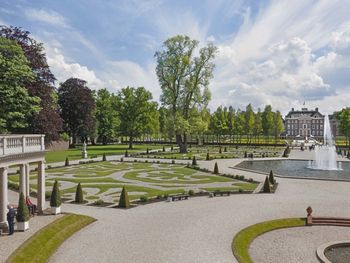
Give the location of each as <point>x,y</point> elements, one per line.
<point>277,52</point>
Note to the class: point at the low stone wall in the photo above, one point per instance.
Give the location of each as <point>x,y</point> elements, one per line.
<point>57,146</point>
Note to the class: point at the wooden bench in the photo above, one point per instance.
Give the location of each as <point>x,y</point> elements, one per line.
<point>179,197</point>
<point>222,193</point>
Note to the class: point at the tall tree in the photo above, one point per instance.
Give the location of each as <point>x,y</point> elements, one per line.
<point>344,123</point>
<point>258,129</point>
<point>267,121</point>
<point>135,112</point>
<point>77,107</point>
<point>218,124</point>
<point>239,124</point>
<point>231,121</point>
<point>184,80</point>
<point>106,115</point>
<point>16,103</point>
<point>47,120</point>
<point>249,121</point>
<point>278,126</point>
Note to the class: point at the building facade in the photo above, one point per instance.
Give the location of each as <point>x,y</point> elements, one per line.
<point>304,123</point>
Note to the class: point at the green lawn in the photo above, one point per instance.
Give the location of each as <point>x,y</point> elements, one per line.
<point>241,242</point>
<point>45,242</point>
<point>97,150</point>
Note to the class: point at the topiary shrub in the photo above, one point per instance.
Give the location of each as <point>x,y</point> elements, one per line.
<point>267,187</point>
<point>220,150</point>
<point>55,199</point>
<point>99,202</point>
<point>194,161</point>
<point>191,192</point>
<point>245,154</point>
<point>216,168</point>
<point>22,210</point>
<point>124,199</point>
<point>122,159</point>
<point>67,162</point>
<point>147,151</point>
<point>172,148</point>
<point>271,178</point>
<point>79,196</point>
<point>225,149</point>
<point>104,157</point>
<point>126,153</point>
<point>166,195</point>
<point>144,198</point>
<point>173,161</point>
<point>208,157</point>
<point>163,148</point>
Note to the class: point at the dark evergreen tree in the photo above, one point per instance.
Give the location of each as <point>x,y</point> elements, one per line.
<point>55,200</point>
<point>22,210</point>
<point>79,196</point>
<point>124,199</point>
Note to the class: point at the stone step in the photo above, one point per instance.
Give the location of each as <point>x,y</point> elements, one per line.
<point>330,224</point>
<point>332,218</point>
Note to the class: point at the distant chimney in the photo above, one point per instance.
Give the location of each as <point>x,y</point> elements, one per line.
<point>316,109</point>
<point>292,109</point>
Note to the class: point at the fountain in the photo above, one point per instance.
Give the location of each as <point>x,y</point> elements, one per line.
<point>326,155</point>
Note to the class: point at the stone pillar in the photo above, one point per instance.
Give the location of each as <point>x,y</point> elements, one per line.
<point>3,198</point>
<point>22,179</point>
<point>27,169</point>
<point>41,187</point>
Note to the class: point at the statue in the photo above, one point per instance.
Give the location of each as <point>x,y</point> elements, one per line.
<point>84,152</point>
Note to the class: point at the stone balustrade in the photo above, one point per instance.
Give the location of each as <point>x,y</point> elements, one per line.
<point>17,144</point>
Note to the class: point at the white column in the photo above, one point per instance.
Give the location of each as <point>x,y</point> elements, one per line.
<point>3,197</point>
<point>27,180</point>
<point>22,179</point>
<point>41,187</point>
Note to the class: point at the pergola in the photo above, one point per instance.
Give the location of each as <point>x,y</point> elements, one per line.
<point>23,151</point>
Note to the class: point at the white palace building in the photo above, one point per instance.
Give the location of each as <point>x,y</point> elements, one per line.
<point>26,152</point>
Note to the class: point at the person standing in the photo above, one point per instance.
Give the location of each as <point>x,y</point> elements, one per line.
<point>11,214</point>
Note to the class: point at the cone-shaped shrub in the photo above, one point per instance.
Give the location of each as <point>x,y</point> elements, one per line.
<point>208,157</point>
<point>267,188</point>
<point>67,162</point>
<point>225,149</point>
<point>147,151</point>
<point>271,178</point>
<point>55,200</point>
<point>22,210</point>
<point>126,153</point>
<point>194,161</point>
<point>245,154</point>
<point>220,150</point>
<point>124,199</point>
<point>216,168</point>
<point>104,157</point>
<point>163,148</point>
<point>79,196</point>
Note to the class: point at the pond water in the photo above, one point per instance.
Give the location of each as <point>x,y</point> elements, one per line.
<point>338,254</point>
<point>296,168</point>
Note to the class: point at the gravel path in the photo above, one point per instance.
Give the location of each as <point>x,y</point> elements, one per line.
<point>294,245</point>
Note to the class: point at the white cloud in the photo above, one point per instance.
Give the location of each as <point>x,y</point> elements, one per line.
<point>46,16</point>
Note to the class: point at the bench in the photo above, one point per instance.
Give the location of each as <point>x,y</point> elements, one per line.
<point>222,193</point>
<point>179,197</point>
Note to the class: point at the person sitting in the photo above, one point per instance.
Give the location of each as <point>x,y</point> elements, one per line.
<point>31,206</point>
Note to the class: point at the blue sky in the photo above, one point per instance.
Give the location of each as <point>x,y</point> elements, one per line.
<point>270,52</point>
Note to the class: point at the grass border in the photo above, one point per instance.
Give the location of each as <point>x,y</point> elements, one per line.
<point>41,246</point>
<point>242,240</point>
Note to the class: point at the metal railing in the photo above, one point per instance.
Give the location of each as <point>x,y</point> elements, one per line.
<point>21,143</point>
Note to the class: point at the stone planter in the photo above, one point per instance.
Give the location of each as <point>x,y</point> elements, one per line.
<point>55,210</point>
<point>22,226</point>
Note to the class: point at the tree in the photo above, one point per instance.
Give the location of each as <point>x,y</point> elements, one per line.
<point>249,121</point>
<point>278,126</point>
<point>47,120</point>
<point>135,110</point>
<point>106,115</point>
<point>231,121</point>
<point>79,196</point>
<point>258,129</point>
<point>55,200</point>
<point>267,121</point>
<point>16,104</point>
<point>216,168</point>
<point>184,80</point>
<point>77,107</point>
<point>267,187</point>
<point>22,210</point>
<point>271,178</point>
<point>239,124</point>
<point>124,199</point>
<point>344,123</point>
<point>218,123</point>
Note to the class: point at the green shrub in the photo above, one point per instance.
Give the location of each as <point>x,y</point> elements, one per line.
<point>22,210</point>
<point>163,148</point>
<point>147,151</point>
<point>67,162</point>
<point>216,168</point>
<point>240,190</point>
<point>99,202</point>
<point>159,196</point>
<point>172,148</point>
<point>55,200</point>
<point>104,157</point>
<point>267,187</point>
<point>122,159</point>
<point>64,137</point>
<point>144,198</point>
<point>225,149</point>
<point>208,157</point>
<point>220,150</point>
<point>194,161</point>
<point>241,177</point>
<point>166,195</point>
<point>191,192</point>
<point>79,196</point>
<point>173,161</point>
<point>271,178</point>
<point>126,153</point>
<point>124,199</point>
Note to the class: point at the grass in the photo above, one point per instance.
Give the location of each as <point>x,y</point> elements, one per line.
<point>97,151</point>
<point>242,241</point>
<point>45,242</point>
